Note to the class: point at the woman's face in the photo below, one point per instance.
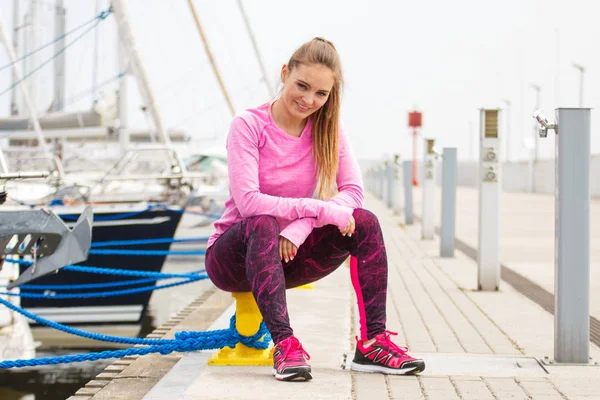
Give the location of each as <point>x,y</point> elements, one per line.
<point>306,88</point>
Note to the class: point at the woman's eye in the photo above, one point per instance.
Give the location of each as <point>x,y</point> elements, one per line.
<point>301,86</point>
<point>322,94</point>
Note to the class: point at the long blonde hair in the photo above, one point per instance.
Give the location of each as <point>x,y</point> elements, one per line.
<point>326,119</point>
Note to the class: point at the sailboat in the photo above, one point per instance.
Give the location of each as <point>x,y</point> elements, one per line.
<point>129,202</point>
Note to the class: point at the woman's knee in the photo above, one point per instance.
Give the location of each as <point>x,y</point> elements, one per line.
<point>263,225</point>
<point>364,218</point>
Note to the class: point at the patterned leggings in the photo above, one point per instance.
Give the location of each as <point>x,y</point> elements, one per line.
<point>246,258</point>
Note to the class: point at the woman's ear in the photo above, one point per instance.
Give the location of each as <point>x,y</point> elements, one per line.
<point>284,73</point>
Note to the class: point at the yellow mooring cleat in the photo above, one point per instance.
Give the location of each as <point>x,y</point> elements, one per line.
<point>247,323</point>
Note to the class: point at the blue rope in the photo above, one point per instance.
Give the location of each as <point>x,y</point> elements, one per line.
<point>136,341</point>
<point>123,272</point>
<point>96,285</point>
<point>88,285</point>
<point>147,241</point>
<point>111,271</point>
<point>33,71</point>
<point>100,16</point>
<point>123,292</point>
<point>121,252</point>
<point>184,341</point>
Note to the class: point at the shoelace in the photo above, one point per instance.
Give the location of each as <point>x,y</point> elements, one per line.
<point>387,342</point>
<point>294,350</point>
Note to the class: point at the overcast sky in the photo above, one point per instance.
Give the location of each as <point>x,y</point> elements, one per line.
<point>446,58</point>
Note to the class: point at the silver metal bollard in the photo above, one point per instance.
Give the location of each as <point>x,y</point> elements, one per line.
<point>488,262</point>
<point>448,224</point>
<point>383,182</point>
<point>408,197</point>
<point>389,175</point>
<point>380,182</point>
<point>396,198</point>
<point>572,230</point>
<point>428,228</point>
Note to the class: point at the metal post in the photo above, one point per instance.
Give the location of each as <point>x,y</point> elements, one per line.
<point>572,262</point>
<point>428,229</point>
<point>396,198</point>
<point>408,203</point>
<point>447,230</point>
<point>382,183</point>
<point>488,263</point>
<point>390,193</point>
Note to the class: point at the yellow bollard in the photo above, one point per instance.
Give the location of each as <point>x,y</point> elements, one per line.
<point>247,323</point>
<point>306,286</point>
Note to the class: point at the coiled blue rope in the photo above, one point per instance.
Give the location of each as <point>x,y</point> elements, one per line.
<point>184,341</point>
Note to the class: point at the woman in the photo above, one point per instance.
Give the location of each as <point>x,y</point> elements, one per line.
<point>274,235</point>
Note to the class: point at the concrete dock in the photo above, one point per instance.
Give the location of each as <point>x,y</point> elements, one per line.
<point>476,345</point>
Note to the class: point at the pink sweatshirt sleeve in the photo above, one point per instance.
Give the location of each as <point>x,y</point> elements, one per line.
<point>350,193</point>
<point>243,158</point>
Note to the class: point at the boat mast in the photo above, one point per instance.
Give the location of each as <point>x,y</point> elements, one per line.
<point>59,61</point>
<point>95,60</point>
<point>256,51</point>
<point>122,98</point>
<point>211,58</point>
<point>34,81</point>
<point>127,39</point>
<point>14,110</point>
<point>24,92</point>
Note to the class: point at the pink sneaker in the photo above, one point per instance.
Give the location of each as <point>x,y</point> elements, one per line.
<point>289,361</point>
<point>385,357</point>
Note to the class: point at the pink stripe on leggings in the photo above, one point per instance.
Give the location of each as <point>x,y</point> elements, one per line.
<point>359,297</point>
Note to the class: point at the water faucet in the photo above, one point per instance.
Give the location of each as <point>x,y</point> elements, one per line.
<point>543,121</point>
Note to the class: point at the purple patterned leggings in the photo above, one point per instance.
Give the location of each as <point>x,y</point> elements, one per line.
<point>246,258</point>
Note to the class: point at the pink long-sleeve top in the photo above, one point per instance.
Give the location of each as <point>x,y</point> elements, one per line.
<point>274,173</point>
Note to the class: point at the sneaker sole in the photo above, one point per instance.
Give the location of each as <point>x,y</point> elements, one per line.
<point>414,369</point>
<point>301,374</point>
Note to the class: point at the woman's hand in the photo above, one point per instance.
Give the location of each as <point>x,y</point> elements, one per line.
<point>287,249</point>
<point>350,227</point>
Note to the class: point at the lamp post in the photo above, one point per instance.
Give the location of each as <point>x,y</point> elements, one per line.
<point>581,72</point>
<point>538,90</point>
<point>507,135</point>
